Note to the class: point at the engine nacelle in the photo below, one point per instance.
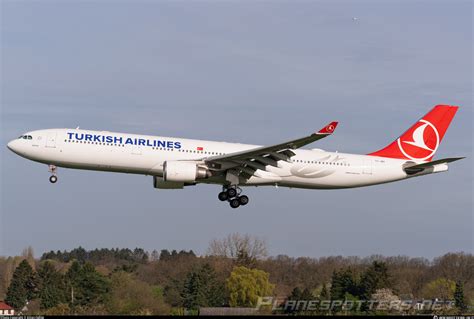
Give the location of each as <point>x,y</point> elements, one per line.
<point>184,172</point>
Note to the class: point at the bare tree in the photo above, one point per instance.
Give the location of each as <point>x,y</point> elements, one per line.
<point>455,266</point>
<point>29,255</point>
<point>231,245</point>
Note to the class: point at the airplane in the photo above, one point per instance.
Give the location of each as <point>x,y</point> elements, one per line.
<point>177,162</point>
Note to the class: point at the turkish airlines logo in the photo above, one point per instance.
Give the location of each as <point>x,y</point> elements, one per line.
<point>420,146</point>
<point>330,128</point>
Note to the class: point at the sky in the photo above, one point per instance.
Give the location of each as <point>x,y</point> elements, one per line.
<point>257,72</point>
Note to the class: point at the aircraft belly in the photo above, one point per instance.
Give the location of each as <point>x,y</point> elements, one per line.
<point>319,177</point>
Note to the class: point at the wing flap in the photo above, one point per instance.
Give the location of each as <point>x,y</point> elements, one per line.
<point>245,163</point>
<point>283,148</point>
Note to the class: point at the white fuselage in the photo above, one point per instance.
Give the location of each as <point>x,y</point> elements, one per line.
<point>140,154</point>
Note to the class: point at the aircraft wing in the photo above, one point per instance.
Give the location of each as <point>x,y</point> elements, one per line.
<point>245,163</point>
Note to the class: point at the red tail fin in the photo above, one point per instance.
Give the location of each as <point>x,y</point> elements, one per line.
<point>421,140</point>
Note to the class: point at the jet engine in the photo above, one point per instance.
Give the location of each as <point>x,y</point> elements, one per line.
<point>185,172</point>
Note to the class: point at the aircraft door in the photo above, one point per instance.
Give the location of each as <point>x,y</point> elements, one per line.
<point>367,167</point>
<point>51,140</point>
<point>37,139</point>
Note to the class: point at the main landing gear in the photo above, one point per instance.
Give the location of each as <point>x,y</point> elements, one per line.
<point>232,195</point>
<point>53,178</point>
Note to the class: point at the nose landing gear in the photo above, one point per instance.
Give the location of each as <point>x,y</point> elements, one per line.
<point>232,195</point>
<point>53,178</point>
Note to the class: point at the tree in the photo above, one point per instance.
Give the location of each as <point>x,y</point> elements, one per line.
<point>85,285</point>
<point>375,277</point>
<point>155,255</point>
<point>140,255</point>
<point>324,295</point>
<point>441,288</point>
<point>246,285</point>
<point>230,246</point>
<point>307,295</point>
<point>23,286</point>
<point>455,266</point>
<point>459,297</point>
<point>29,255</point>
<point>295,294</point>
<point>203,289</point>
<point>131,296</point>
<point>52,286</point>
<point>343,282</point>
<point>243,259</point>
<point>384,297</point>
<point>165,255</point>
<point>59,310</point>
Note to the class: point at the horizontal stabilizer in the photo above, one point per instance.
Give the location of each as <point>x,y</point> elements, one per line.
<point>413,169</point>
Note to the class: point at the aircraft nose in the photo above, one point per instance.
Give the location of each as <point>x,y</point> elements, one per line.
<point>12,145</point>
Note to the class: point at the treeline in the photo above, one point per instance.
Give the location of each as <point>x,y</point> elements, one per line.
<point>137,255</point>
<point>105,255</point>
<point>235,272</point>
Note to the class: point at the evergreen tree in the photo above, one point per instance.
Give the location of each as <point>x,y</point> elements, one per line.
<point>192,293</point>
<point>459,297</point>
<point>243,259</point>
<point>300,300</point>
<point>165,255</point>
<point>294,297</point>
<point>324,293</point>
<point>343,282</point>
<point>324,296</point>
<point>23,286</point>
<point>52,287</point>
<point>307,295</point>
<point>375,277</point>
<point>295,294</point>
<point>203,289</point>
<point>85,285</point>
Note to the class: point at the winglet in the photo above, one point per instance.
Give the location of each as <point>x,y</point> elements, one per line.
<point>328,129</point>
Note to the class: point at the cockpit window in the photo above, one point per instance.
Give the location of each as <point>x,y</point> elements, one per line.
<point>21,136</point>
<point>30,137</point>
<point>26,137</point>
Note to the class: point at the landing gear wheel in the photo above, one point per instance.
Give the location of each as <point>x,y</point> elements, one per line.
<point>243,200</point>
<point>223,196</point>
<point>234,203</point>
<point>231,192</point>
<point>52,169</point>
